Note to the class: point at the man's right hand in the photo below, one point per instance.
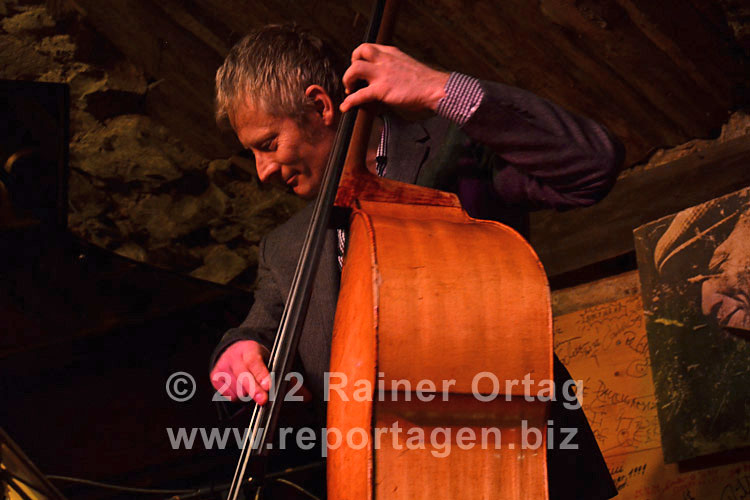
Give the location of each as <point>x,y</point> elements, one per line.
<point>241,372</point>
<point>393,78</point>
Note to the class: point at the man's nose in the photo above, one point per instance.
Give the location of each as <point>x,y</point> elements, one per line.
<point>266,167</point>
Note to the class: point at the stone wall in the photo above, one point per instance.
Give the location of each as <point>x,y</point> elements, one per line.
<point>737,126</point>
<point>135,189</point>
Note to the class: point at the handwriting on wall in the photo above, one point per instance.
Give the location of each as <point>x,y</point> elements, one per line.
<point>605,345</point>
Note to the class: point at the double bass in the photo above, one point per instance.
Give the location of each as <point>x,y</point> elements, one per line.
<point>441,316</point>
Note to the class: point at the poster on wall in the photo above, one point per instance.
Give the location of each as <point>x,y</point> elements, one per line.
<point>600,336</point>
<point>694,269</point>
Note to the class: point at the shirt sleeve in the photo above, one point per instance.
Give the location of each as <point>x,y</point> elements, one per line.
<point>463,95</point>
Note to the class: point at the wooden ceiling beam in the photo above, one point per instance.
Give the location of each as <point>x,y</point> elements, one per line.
<point>571,240</point>
<point>657,75</point>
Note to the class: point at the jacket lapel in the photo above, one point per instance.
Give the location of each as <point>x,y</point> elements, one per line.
<point>408,147</point>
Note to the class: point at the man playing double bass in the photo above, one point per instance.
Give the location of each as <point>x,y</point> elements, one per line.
<point>502,150</point>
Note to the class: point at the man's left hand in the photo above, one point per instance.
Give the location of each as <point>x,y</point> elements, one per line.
<point>393,78</point>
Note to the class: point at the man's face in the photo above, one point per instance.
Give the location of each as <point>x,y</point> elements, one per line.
<point>726,292</point>
<point>285,153</point>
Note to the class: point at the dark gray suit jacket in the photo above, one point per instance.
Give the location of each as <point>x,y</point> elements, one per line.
<point>517,152</point>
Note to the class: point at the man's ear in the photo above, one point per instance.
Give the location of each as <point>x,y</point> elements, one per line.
<point>323,104</point>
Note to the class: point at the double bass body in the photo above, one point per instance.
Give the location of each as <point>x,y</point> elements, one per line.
<point>429,295</point>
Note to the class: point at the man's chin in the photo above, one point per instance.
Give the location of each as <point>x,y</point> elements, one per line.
<point>303,192</point>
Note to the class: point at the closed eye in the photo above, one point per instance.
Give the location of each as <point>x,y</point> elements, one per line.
<point>718,260</point>
<point>267,145</point>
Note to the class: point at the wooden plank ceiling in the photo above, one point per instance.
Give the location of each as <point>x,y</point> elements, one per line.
<point>657,73</point>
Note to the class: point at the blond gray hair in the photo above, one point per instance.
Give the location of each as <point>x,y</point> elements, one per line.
<point>272,67</point>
